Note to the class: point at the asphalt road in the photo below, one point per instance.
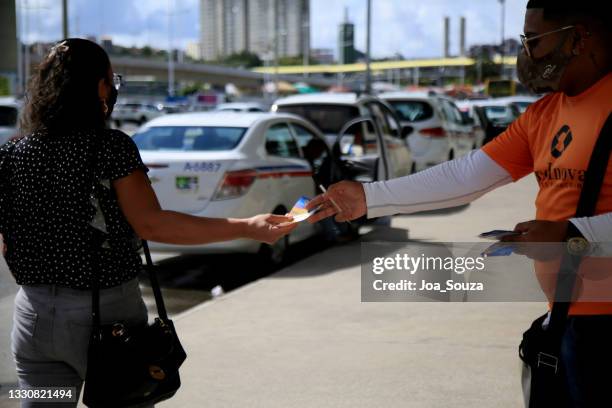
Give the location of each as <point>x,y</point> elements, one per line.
<point>302,338</point>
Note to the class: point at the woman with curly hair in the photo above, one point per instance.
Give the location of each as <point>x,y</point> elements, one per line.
<point>66,182</point>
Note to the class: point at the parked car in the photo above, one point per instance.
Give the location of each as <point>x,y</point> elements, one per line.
<point>377,142</point>
<point>440,131</point>
<point>9,118</point>
<point>134,112</point>
<point>519,103</point>
<point>494,115</point>
<point>240,107</point>
<point>220,164</point>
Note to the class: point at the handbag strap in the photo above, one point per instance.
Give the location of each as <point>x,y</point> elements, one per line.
<point>159,299</point>
<point>593,181</point>
<point>96,244</point>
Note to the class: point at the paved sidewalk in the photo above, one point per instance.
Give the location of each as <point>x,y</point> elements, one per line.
<point>302,338</point>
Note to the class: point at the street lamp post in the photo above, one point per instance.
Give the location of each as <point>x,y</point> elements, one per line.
<point>368,79</point>
<point>65,18</point>
<point>170,52</point>
<point>503,34</point>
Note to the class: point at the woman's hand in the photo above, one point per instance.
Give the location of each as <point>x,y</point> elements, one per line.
<point>269,228</point>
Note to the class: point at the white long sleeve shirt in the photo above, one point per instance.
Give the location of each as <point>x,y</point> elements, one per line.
<point>455,183</point>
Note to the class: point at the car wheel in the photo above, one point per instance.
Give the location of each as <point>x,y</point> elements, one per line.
<point>142,120</point>
<point>275,255</point>
<point>451,155</point>
<point>118,123</point>
<point>413,168</point>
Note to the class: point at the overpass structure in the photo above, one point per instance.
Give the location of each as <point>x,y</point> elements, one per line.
<point>428,63</point>
<point>401,71</point>
<point>212,74</point>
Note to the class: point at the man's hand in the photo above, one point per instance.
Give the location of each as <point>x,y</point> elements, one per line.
<point>539,231</point>
<point>269,228</point>
<point>346,200</point>
<point>534,236</point>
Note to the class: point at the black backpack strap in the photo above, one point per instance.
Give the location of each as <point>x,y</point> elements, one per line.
<point>593,181</point>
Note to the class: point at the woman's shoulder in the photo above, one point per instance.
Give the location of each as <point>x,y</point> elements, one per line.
<point>115,139</point>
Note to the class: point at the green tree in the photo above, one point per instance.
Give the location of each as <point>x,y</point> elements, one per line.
<point>242,59</point>
<point>297,60</point>
<point>192,88</point>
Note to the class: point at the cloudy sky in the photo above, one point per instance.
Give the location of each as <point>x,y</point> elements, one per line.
<point>410,27</point>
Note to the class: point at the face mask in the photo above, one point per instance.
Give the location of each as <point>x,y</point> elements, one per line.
<point>110,102</point>
<point>543,75</point>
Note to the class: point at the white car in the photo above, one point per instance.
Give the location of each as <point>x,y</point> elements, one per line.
<point>378,144</point>
<point>494,115</point>
<point>9,118</point>
<point>240,107</point>
<point>138,113</point>
<point>440,131</point>
<point>233,165</point>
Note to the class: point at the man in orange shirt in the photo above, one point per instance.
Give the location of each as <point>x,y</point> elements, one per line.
<point>566,53</point>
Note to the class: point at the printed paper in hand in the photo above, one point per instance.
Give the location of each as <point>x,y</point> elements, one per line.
<point>299,211</point>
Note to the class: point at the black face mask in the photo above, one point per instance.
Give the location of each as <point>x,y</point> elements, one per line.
<point>543,75</point>
<point>110,102</point>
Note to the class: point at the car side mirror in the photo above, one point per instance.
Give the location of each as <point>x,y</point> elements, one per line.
<point>406,131</point>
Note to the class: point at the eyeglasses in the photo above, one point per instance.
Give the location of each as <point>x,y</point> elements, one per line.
<point>117,81</point>
<point>526,40</point>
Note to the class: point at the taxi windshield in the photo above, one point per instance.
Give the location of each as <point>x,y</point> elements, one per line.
<point>189,138</point>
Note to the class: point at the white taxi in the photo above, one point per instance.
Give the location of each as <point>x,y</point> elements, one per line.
<point>218,164</point>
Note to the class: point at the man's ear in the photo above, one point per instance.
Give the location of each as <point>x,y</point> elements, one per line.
<point>102,89</point>
<point>581,35</point>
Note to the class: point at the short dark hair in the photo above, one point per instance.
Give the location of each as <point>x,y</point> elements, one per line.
<point>573,11</point>
<point>63,93</point>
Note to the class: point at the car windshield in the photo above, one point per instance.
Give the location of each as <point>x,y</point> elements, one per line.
<point>189,138</point>
<point>412,111</point>
<point>8,116</point>
<point>328,118</point>
<point>498,113</point>
<point>522,106</point>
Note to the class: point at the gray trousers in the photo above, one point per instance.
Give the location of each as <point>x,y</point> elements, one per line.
<point>51,330</point>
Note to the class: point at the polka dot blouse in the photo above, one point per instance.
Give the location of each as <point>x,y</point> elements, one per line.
<point>60,226</point>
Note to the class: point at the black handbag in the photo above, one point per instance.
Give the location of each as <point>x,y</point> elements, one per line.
<point>133,366</point>
<point>130,366</point>
<point>540,348</point>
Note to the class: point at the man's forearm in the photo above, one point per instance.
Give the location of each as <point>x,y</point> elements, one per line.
<point>447,185</point>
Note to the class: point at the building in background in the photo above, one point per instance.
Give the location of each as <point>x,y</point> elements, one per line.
<point>489,51</point>
<point>258,26</point>
<point>107,43</point>
<point>346,41</point>
<point>194,50</point>
<point>323,55</point>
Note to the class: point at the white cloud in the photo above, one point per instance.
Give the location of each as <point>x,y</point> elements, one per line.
<point>411,27</point>
<point>414,27</point>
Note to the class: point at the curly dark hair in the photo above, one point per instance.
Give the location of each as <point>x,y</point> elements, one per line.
<point>63,93</point>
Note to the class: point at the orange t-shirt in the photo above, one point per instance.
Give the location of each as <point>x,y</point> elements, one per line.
<point>554,139</point>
